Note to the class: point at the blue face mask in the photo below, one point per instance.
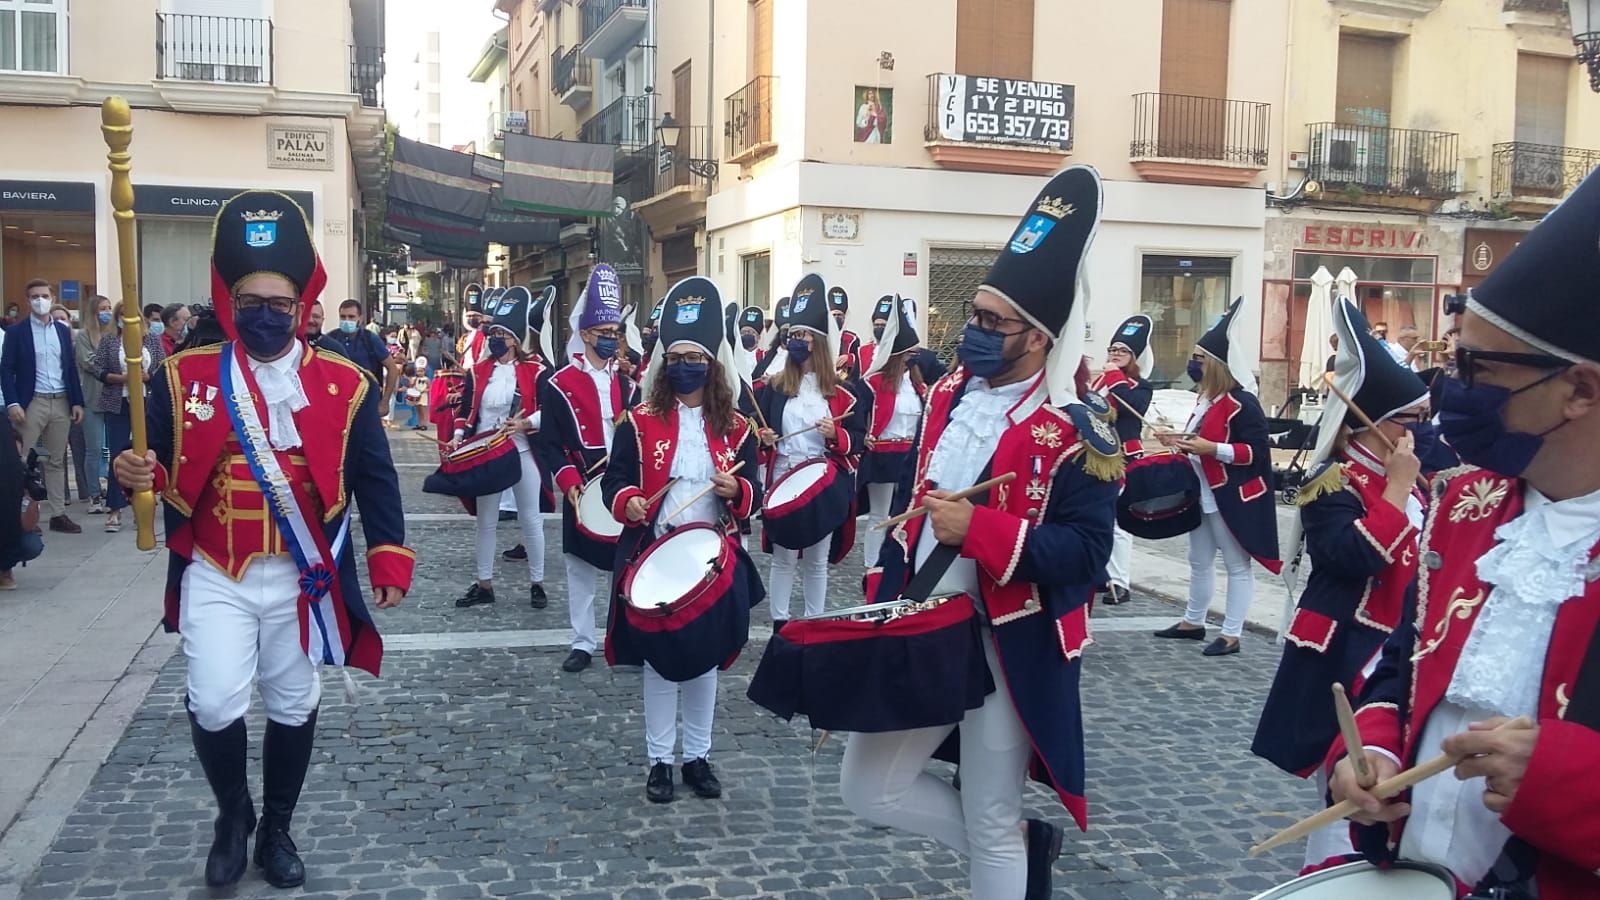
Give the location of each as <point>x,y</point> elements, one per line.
<point>264,330</point>
<point>1196,370</point>
<point>983,352</point>
<point>1470,419</point>
<point>877,332</point>
<point>605,347</point>
<point>686,378</point>
<point>799,351</point>
<point>158,328</point>
<point>748,340</point>
<point>498,347</point>
<point>1425,439</point>
<point>348,326</point>
<point>103,318</point>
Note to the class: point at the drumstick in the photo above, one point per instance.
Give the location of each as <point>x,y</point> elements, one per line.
<point>1352,734</point>
<point>809,428</point>
<point>978,488</point>
<point>1382,790</point>
<point>651,500</point>
<point>1124,404</point>
<point>1362,417</point>
<point>596,467</point>
<point>701,493</point>
<point>820,741</point>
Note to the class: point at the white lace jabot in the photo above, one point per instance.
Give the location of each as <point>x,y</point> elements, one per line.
<point>281,391</point>
<point>1541,561</point>
<point>968,442</point>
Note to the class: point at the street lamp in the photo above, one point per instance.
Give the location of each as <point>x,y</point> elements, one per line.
<point>668,131</point>
<point>1586,35</point>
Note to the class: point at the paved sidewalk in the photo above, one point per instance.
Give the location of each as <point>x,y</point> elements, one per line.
<point>1161,569</point>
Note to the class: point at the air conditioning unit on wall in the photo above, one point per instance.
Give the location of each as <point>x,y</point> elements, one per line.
<point>1345,154</point>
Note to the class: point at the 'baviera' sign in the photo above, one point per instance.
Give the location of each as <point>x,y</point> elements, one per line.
<point>47,196</point>
<point>984,110</point>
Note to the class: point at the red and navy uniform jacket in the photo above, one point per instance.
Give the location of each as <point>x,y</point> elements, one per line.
<point>641,464</point>
<point>887,460</point>
<point>1243,488</point>
<point>848,359</point>
<point>215,510</point>
<point>570,443</point>
<point>531,376</point>
<point>845,449</point>
<point>1556,810</point>
<point>1122,393</point>
<point>1041,543</point>
<point>1363,558</point>
<point>469,348</point>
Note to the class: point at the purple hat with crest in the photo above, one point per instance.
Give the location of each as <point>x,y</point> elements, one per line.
<point>602,299</point>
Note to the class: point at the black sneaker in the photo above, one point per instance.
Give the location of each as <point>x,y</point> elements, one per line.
<point>536,597</point>
<point>475,595</point>
<point>577,661</point>
<point>697,774</point>
<point>1178,632</point>
<point>507,515</point>
<point>658,787</point>
<point>1044,848</point>
<point>515,553</point>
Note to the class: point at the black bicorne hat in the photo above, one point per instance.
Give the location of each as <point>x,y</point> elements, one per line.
<point>472,297</point>
<point>655,314</point>
<point>1038,271</point>
<point>263,232</point>
<point>511,310</point>
<point>780,312</point>
<point>1215,341</point>
<point>1543,294</point>
<point>1134,333</point>
<point>1366,372</point>
<point>838,299</point>
<point>753,317</point>
<point>694,312</point>
<point>883,309</point>
<point>808,305</point>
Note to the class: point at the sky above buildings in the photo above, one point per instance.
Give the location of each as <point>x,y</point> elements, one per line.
<point>463,27</point>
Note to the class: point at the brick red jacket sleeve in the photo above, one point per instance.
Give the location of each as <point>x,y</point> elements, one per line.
<point>1557,807</point>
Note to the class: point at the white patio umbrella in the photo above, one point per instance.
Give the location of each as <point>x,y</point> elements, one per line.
<point>1314,349</point>
<point>1347,286</point>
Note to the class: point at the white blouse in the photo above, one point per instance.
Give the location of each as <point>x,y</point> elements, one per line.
<point>907,411</point>
<point>802,411</point>
<point>692,466</point>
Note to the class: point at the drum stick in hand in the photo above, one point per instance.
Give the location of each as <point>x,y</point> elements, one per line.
<point>700,493</point>
<point>1382,790</point>
<point>1362,418</point>
<point>598,465</point>
<point>1351,734</point>
<point>978,488</point>
<point>653,498</point>
<point>807,428</point>
<point>1124,404</point>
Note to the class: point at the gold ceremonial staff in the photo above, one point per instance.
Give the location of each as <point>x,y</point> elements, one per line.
<point>116,123</point>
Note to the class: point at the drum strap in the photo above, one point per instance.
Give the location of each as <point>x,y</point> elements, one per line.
<point>927,576</point>
<point>1584,707</point>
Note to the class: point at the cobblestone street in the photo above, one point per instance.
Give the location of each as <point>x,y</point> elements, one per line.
<point>476,767</point>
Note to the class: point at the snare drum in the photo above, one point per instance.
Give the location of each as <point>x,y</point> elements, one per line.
<point>807,504</point>
<point>593,517</point>
<point>914,667</point>
<point>1401,881</point>
<point>482,465</point>
<point>686,602</point>
<point>1160,493</point>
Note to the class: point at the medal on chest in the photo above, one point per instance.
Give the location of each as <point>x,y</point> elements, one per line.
<point>201,409</point>
<point>1035,490</point>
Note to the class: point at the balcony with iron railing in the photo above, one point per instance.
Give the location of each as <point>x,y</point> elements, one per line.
<point>213,48</point>
<point>747,129</point>
<point>677,179</point>
<point>573,81</point>
<point>1366,161</point>
<point>1539,173</point>
<point>625,122</point>
<point>1184,139</point>
<point>612,26</point>
<point>366,75</point>
<point>1534,16</point>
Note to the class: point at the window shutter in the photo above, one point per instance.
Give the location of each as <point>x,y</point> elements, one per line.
<point>995,38</point>
<point>760,38</point>
<point>1542,99</point>
<point>1365,85</point>
<point>1194,47</point>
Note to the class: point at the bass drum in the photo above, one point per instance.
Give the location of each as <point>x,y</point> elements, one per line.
<point>1160,493</point>
<point>810,502</point>
<point>686,602</point>
<point>1401,881</point>
<point>594,519</point>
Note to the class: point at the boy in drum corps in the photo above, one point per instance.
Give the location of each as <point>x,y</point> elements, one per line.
<point>1501,663</point>
<point>257,446</point>
<point>1028,555</point>
<point>581,404</point>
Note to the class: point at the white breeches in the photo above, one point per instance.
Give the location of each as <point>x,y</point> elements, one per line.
<point>661,706</point>
<point>814,578</point>
<point>526,492</point>
<point>879,496</point>
<point>582,581</point>
<point>1204,542</point>
<point>1121,557</point>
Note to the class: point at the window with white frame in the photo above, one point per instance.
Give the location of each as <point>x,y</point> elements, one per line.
<point>33,36</point>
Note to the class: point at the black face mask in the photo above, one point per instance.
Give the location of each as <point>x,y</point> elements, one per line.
<point>877,332</point>
<point>748,340</point>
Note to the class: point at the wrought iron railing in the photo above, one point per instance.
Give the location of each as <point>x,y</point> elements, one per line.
<point>1522,169</point>
<point>366,74</point>
<point>596,12</point>
<point>686,163</point>
<point>625,122</point>
<point>1373,159</point>
<point>1180,126</point>
<point>572,70</point>
<point>213,48</point>
<point>749,116</point>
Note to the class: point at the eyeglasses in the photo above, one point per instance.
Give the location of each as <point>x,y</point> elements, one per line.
<point>1468,360</point>
<point>613,334</point>
<point>1117,351</point>
<point>242,302</point>
<point>692,358</point>
<point>990,321</point>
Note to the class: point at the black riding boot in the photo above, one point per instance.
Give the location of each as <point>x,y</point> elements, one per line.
<point>285,756</point>
<point>222,756</point>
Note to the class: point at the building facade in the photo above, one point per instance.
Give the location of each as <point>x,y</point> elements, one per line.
<point>1423,137</point>
<point>279,94</point>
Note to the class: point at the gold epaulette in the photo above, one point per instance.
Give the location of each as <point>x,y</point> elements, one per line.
<point>1330,480</point>
<point>1101,466</point>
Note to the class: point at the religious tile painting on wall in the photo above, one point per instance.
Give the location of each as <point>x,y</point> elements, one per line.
<point>874,115</point>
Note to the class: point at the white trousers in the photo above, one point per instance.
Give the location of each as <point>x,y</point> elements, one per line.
<point>882,779</point>
<point>661,715</point>
<point>508,500</point>
<point>582,581</point>
<point>1121,557</point>
<point>1204,542</point>
<point>235,632</point>
<point>879,496</point>
<point>814,578</point>
<point>526,492</point>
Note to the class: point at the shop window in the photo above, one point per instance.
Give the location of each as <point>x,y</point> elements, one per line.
<point>174,260</point>
<point>1183,296</point>
<point>1393,290</point>
<point>33,35</point>
<point>756,271</point>
<point>58,247</point>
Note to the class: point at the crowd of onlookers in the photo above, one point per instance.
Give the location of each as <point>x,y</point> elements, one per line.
<point>63,386</point>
